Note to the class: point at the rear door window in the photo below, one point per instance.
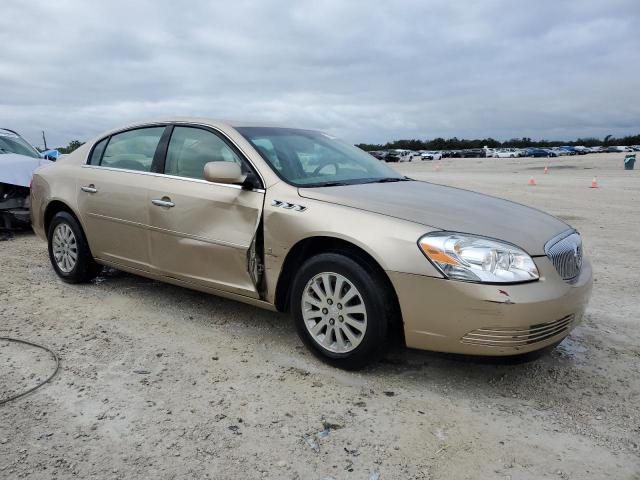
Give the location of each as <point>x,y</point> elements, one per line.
<point>133,149</point>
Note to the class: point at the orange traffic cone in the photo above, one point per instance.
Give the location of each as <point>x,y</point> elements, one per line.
<point>594,183</point>
<point>546,170</point>
<point>532,182</point>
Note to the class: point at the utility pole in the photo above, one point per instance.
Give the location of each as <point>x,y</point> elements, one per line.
<point>44,139</point>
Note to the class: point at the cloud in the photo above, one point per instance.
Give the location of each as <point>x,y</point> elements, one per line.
<point>366,71</point>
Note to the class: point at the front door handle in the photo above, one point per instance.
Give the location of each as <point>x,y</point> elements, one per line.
<point>163,202</point>
<point>89,188</point>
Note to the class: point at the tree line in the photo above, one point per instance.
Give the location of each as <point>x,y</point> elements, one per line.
<point>456,143</point>
<point>73,145</point>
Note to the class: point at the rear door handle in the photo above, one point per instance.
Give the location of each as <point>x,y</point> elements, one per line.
<point>163,202</point>
<point>89,188</point>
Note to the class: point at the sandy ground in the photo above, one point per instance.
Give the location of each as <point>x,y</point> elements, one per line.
<point>162,382</point>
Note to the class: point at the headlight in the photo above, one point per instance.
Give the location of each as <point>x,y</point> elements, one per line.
<point>477,259</point>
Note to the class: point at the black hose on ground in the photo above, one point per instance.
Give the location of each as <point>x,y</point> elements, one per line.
<point>51,352</point>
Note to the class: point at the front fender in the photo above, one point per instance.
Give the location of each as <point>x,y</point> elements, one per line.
<point>392,242</point>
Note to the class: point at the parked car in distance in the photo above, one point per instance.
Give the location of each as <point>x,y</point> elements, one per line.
<point>489,152</point>
<point>623,148</point>
<point>398,155</point>
<point>538,152</point>
<point>570,150</point>
<point>580,150</point>
<point>379,154</point>
<point>612,150</point>
<point>505,153</point>
<point>560,152</point>
<point>429,155</point>
<point>295,220</point>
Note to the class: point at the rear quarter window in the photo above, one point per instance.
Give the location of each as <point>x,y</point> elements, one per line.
<point>96,154</point>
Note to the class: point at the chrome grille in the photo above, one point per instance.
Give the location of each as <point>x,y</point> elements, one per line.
<point>565,252</point>
<point>518,336</point>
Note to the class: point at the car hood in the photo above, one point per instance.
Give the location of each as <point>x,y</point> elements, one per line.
<point>16,169</point>
<point>448,208</point>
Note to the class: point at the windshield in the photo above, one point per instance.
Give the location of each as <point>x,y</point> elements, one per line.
<point>307,158</point>
<point>13,143</point>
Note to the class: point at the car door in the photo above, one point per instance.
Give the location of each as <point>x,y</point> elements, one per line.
<point>202,232</point>
<point>113,196</point>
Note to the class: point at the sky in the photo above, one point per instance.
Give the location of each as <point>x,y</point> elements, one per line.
<point>365,71</point>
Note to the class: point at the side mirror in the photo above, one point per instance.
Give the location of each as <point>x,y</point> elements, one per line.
<point>223,172</point>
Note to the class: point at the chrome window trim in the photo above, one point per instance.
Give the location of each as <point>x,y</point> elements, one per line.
<point>182,124</point>
<point>118,132</point>
<point>226,137</point>
<point>173,177</point>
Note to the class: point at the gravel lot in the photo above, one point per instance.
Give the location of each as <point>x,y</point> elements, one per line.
<point>162,382</point>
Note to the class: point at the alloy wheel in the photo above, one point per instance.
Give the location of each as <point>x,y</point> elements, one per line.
<point>334,312</point>
<point>65,247</point>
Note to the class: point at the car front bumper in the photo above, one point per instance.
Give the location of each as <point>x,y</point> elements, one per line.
<point>479,319</point>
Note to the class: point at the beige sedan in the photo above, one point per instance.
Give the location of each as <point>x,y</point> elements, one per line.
<point>295,220</point>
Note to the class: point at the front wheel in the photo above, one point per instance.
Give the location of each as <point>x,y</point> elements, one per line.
<point>69,251</point>
<point>342,310</point>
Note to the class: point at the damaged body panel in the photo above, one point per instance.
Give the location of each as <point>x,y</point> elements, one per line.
<point>14,206</point>
<point>18,160</point>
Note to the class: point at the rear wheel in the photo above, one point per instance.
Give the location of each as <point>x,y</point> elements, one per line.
<point>69,251</point>
<point>342,310</point>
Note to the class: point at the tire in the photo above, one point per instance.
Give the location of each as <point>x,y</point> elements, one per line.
<point>66,239</point>
<point>374,294</point>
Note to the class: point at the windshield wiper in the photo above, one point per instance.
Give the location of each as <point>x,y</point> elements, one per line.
<point>390,179</point>
<point>354,182</point>
<point>331,184</point>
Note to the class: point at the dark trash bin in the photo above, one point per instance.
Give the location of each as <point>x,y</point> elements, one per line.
<point>629,162</point>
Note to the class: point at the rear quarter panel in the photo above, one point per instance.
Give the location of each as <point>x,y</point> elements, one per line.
<point>56,182</point>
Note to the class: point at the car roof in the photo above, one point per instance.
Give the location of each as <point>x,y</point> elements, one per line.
<point>207,121</point>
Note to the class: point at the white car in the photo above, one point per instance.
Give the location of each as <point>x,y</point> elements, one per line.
<point>506,153</point>
<point>489,152</point>
<point>428,155</point>
<point>18,160</point>
<point>560,152</point>
<point>403,155</point>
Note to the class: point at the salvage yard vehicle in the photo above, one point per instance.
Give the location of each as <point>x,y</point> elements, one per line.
<point>398,155</point>
<point>505,153</point>
<point>18,160</point>
<point>539,152</point>
<point>295,220</point>
<point>429,155</point>
<point>379,154</point>
<point>509,153</point>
